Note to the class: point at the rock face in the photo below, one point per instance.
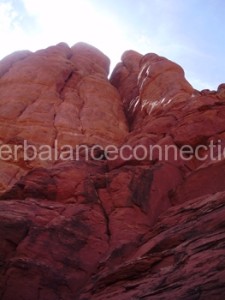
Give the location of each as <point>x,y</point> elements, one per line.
<point>121,193</point>
<point>58,94</point>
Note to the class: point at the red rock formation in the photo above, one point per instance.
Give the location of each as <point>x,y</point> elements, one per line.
<point>133,227</point>
<point>58,94</point>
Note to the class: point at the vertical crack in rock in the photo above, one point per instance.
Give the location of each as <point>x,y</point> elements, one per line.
<point>62,88</point>
<point>80,110</point>
<point>55,128</point>
<point>61,97</point>
<point>107,220</point>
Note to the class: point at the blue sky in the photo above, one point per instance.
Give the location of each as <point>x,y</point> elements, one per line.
<point>189,32</point>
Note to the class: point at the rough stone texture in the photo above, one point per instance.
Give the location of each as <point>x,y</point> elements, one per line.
<point>127,228</point>
<point>181,257</point>
<point>61,94</point>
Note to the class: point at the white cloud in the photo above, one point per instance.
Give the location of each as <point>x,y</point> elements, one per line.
<point>11,34</point>
<point>36,24</point>
<point>7,16</point>
<point>67,21</point>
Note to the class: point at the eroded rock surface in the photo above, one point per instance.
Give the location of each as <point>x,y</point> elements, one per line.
<point>61,94</point>
<point>93,227</point>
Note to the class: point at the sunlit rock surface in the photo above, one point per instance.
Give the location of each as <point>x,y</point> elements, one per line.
<point>58,94</point>
<point>133,227</point>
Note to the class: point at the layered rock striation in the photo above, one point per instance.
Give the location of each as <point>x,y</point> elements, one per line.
<point>136,210</point>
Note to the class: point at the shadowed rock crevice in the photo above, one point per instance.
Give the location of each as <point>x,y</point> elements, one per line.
<point>37,184</point>
<point>140,186</point>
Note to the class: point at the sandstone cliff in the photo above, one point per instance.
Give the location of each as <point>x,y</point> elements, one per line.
<point>92,227</point>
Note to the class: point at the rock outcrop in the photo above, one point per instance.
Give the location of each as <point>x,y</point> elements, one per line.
<point>110,188</point>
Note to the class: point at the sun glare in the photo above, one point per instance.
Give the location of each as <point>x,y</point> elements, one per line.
<point>116,26</point>
<point>68,21</point>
